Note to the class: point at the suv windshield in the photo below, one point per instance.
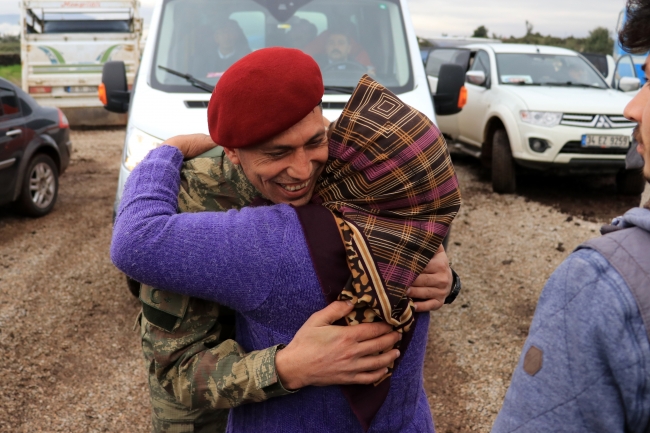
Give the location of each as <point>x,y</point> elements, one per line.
<point>348,38</point>
<point>547,69</point>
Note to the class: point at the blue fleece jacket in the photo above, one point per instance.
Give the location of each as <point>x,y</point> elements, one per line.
<point>595,373</point>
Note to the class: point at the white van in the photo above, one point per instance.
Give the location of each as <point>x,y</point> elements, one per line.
<point>202,38</point>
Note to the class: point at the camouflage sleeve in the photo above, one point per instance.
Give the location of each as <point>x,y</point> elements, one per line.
<point>225,377</point>
<point>192,366</point>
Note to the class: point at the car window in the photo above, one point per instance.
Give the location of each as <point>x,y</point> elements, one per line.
<point>481,63</point>
<point>547,70</point>
<point>8,103</point>
<point>348,38</point>
<point>441,56</point>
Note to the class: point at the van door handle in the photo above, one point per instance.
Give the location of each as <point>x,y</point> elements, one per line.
<point>14,132</point>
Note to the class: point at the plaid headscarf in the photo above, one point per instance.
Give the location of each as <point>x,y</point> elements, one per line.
<point>393,191</point>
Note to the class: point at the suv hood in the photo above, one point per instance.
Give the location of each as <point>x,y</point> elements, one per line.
<point>570,99</point>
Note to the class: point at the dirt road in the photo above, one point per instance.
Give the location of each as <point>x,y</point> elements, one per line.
<point>70,360</point>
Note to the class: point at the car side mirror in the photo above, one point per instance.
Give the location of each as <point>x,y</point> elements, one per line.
<point>477,78</point>
<point>629,84</point>
<point>450,98</point>
<point>113,90</point>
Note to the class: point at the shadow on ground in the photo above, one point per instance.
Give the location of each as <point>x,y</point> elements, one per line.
<point>592,198</point>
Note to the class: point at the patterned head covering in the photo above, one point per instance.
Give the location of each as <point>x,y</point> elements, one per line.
<point>393,191</point>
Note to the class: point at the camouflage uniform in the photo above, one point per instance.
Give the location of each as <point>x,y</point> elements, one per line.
<point>196,371</point>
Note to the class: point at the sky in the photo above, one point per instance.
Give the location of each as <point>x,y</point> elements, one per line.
<point>460,17</point>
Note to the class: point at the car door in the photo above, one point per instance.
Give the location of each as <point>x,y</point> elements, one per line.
<point>438,57</point>
<point>471,121</point>
<point>11,141</point>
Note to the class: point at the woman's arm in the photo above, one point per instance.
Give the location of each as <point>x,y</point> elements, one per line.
<point>227,257</point>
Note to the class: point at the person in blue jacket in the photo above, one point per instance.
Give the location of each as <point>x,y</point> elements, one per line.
<point>585,366</point>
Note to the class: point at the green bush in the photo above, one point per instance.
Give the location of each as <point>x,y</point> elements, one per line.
<point>11,73</point>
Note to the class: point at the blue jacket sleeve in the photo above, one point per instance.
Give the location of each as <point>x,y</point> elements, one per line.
<point>595,367</point>
<point>227,257</point>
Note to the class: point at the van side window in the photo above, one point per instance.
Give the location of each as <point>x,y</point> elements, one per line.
<point>9,103</point>
<point>481,63</point>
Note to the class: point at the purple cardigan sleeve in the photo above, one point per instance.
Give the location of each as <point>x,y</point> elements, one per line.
<point>227,257</point>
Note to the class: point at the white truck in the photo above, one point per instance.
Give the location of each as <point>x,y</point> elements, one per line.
<point>64,45</point>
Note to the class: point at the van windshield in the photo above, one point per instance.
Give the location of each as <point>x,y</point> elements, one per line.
<point>547,70</point>
<point>348,38</point>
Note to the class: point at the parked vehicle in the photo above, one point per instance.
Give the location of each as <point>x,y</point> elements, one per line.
<point>183,60</point>
<point>35,149</point>
<point>540,108</point>
<point>64,45</point>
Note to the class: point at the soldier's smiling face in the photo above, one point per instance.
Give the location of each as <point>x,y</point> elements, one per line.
<point>285,168</point>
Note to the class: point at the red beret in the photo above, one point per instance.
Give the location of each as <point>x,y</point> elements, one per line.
<point>263,94</point>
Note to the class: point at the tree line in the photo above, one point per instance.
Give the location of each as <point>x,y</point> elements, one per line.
<point>599,40</point>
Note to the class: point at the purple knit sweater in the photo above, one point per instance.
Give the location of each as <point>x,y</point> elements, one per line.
<point>257,262</point>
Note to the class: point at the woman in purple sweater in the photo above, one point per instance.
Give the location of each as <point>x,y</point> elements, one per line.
<point>274,264</point>
<point>257,262</point>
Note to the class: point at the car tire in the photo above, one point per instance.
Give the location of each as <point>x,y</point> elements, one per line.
<point>630,182</point>
<point>133,286</point>
<point>504,180</point>
<point>40,187</point>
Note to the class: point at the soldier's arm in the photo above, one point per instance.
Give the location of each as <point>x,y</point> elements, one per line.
<point>200,372</point>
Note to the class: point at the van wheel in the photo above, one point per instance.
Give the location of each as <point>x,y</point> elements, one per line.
<point>133,286</point>
<point>630,182</point>
<point>504,179</point>
<point>40,187</point>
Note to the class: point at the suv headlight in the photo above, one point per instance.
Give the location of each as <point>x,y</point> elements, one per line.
<point>541,118</point>
<point>138,145</point>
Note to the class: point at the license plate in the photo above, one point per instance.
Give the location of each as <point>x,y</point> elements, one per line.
<point>606,141</point>
<point>81,89</point>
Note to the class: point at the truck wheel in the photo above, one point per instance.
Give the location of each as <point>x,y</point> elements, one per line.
<point>133,286</point>
<point>40,187</point>
<point>630,182</point>
<point>504,180</point>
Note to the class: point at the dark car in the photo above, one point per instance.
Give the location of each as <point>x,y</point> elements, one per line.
<point>35,149</point>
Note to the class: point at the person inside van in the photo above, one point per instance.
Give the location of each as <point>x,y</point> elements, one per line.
<point>232,45</point>
<point>318,48</point>
<point>302,247</point>
<point>338,55</point>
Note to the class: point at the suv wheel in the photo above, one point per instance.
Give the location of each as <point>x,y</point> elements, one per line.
<point>504,179</point>
<point>133,286</point>
<point>40,187</point>
<point>630,182</point>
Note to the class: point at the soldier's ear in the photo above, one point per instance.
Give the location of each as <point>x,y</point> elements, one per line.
<point>232,155</point>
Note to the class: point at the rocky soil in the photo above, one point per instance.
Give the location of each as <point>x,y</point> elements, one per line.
<point>70,359</point>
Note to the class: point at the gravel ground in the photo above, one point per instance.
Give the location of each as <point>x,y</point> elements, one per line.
<point>70,360</point>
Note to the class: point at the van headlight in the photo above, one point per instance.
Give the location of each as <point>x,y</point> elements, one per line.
<point>138,145</point>
<point>541,118</point>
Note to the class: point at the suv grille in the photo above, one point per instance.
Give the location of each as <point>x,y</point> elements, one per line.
<point>600,121</point>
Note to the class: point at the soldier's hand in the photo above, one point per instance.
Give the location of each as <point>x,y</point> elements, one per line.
<point>323,354</point>
<point>433,285</point>
<point>192,145</point>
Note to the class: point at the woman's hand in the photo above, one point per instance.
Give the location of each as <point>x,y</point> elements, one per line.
<point>433,285</point>
<point>192,145</point>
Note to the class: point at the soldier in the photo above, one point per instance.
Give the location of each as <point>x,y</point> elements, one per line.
<point>322,361</point>
<point>196,371</point>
